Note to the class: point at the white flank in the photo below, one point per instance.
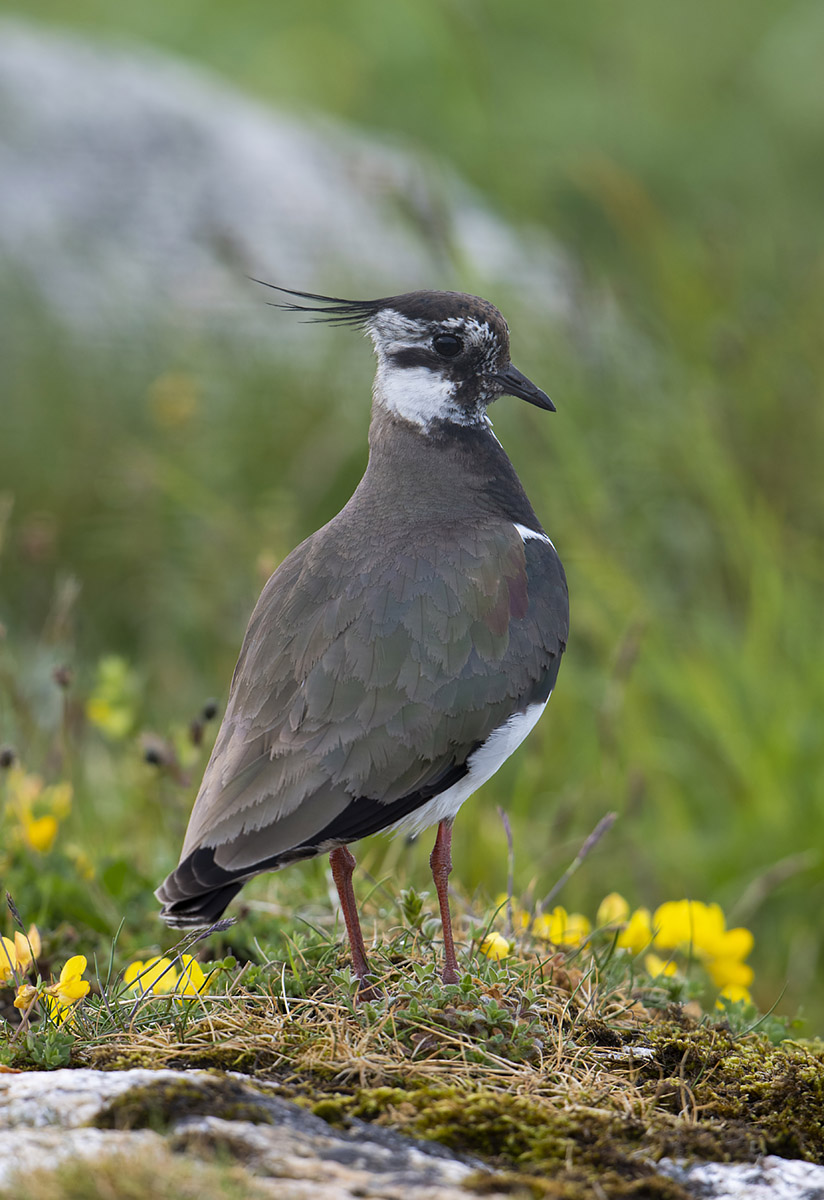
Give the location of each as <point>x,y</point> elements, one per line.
<point>483,764</point>
<point>527,533</point>
<point>415,393</point>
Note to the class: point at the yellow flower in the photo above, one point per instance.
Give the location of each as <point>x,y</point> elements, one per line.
<point>613,910</point>
<point>23,789</point>
<point>26,995</point>
<point>27,947</point>
<point>689,925</point>
<point>113,720</point>
<point>638,932</point>
<point>192,981</point>
<point>561,927</point>
<point>70,987</point>
<point>733,992</point>
<point>700,929</point>
<point>39,832</point>
<point>24,792</point>
<point>8,959</point>
<point>673,926</point>
<point>495,946</point>
<point>733,943</point>
<point>658,966</point>
<point>81,861</point>
<point>155,975</point>
<point>726,972</point>
<point>61,998</point>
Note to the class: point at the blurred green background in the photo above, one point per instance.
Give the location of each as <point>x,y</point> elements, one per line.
<point>676,152</point>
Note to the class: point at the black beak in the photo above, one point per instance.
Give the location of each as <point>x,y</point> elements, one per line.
<point>514,383</point>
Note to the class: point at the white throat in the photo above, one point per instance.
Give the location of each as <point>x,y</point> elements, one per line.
<point>417,394</point>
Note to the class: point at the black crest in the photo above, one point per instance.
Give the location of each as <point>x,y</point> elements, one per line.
<point>430,307</point>
<point>330,309</point>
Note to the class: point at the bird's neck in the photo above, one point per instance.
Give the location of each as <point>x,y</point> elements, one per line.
<point>459,470</point>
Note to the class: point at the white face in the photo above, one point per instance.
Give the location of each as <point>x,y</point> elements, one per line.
<point>414,383</point>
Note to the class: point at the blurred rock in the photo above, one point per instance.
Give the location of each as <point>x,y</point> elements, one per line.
<point>47,1117</point>
<point>138,188</point>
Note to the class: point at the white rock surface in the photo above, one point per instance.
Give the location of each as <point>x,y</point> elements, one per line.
<point>67,1099</point>
<point>26,1150</point>
<point>137,188</point>
<point>771,1178</point>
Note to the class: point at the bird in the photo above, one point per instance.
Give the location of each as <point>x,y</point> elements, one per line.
<point>399,655</point>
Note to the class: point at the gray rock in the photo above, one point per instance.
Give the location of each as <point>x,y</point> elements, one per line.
<point>358,1162</point>
<point>49,1117</point>
<point>137,188</point>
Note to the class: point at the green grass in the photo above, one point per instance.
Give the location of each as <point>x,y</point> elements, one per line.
<point>676,154</point>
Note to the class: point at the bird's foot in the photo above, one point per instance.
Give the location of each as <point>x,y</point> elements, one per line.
<point>367,991</point>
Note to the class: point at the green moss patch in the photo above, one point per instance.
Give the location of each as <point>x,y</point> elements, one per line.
<point>770,1097</point>
<point>162,1104</point>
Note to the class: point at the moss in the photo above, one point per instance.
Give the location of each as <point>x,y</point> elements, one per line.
<point>530,1140</point>
<point>253,1060</point>
<point>704,1094</point>
<point>574,1185</point>
<point>766,1098</point>
<point>161,1104</point>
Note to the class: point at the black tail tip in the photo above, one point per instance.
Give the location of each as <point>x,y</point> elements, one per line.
<point>200,911</point>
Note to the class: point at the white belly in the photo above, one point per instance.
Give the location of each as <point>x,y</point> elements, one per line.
<point>482,764</point>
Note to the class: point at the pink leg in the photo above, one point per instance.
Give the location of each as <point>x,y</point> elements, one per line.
<point>343,863</point>
<point>440,860</point>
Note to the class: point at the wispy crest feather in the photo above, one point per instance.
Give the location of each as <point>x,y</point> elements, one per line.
<point>331,310</point>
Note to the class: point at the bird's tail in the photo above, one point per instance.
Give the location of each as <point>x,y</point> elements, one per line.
<point>197,912</point>
<point>191,901</point>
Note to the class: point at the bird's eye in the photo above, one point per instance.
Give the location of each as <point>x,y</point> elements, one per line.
<point>447,345</point>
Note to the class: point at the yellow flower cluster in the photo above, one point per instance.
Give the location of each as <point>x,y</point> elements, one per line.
<point>160,977</point>
<point>17,956</point>
<point>686,928</point>
<point>36,810</point>
<point>561,928</point>
<point>60,998</point>
<point>696,930</point>
<point>558,926</point>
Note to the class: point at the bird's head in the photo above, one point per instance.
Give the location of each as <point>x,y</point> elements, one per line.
<point>442,356</point>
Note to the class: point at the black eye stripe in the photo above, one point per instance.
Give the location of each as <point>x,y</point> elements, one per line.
<point>447,345</point>
<point>412,356</point>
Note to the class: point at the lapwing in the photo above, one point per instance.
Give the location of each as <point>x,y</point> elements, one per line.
<point>399,655</point>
